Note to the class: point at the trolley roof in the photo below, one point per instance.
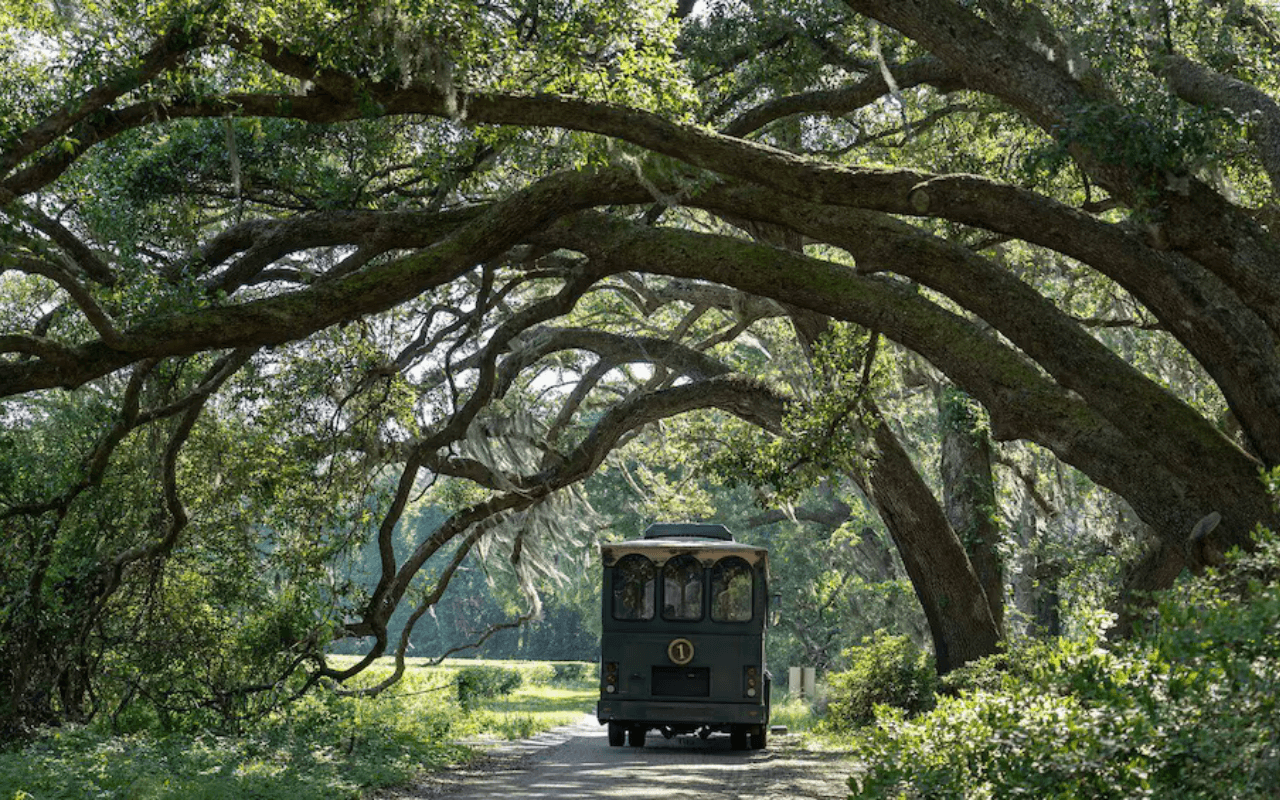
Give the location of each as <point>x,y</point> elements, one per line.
<point>703,530</point>
<point>706,542</point>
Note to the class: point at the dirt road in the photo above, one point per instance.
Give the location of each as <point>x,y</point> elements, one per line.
<point>577,763</point>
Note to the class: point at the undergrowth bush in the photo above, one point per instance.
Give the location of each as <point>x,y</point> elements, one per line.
<point>483,682</point>
<point>1186,709</point>
<point>884,670</point>
<point>324,747</point>
<point>570,671</point>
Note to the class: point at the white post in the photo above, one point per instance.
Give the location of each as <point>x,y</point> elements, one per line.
<point>802,681</point>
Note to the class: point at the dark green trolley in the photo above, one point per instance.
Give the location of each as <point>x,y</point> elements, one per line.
<point>682,649</point>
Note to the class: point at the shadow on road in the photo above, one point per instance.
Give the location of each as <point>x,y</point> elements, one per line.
<point>577,763</point>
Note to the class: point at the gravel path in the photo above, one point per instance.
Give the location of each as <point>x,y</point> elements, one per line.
<point>576,763</point>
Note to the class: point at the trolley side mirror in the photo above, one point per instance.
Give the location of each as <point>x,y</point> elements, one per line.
<point>775,608</point>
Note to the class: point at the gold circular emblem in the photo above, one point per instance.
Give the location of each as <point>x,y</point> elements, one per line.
<point>680,651</point>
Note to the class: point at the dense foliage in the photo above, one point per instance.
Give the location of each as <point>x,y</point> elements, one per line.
<point>1186,709</point>
<point>890,671</point>
<point>479,683</point>
<point>312,310</point>
<point>326,746</point>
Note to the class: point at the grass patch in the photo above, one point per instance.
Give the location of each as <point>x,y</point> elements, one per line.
<point>533,709</point>
<point>793,711</point>
<point>323,747</point>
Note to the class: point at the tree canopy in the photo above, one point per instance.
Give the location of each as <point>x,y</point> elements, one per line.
<point>271,271</point>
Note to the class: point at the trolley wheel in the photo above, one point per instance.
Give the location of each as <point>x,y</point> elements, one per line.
<point>617,734</point>
<point>738,737</point>
<point>759,739</point>
<point>635,736</point>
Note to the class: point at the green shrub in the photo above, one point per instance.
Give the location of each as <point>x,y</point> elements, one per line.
<point>570,671</point>
<point>884,670</point>
<point>323,746</point>
<point>1024,744</point>
<point>1187,709</point>
<point>482,682</point>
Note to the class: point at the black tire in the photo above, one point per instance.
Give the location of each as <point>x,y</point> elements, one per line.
<point>635,736</point>
<point>617,734</point>
<point>759,739</point>
<point>738,738</point>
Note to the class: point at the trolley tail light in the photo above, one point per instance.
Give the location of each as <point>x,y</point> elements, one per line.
<point>611,677</point>
<point>751,682</point>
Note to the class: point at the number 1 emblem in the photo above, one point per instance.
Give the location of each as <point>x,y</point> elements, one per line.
<point>680,651</point>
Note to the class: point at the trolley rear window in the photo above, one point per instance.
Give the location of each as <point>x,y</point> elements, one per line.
<point>687,589</point>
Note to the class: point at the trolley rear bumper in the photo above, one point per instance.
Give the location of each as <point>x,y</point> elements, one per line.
<point>680,713</point>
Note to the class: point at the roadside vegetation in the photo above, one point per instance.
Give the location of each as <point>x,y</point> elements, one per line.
<point>324,746</point>
<point>1186,709</point>
<point>333,328</point>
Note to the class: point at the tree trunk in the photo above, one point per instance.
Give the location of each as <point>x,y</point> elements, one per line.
<point>969,494</point>
<point>944,579</point>
<point>1047,619</point>
<point>960,620</point>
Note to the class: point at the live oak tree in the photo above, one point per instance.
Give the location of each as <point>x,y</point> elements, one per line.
<point>271,268</point>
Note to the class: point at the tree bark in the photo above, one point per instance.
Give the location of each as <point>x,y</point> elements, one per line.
<point>961,623</point>
<point>969,494</point>
<point>960,619</point>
